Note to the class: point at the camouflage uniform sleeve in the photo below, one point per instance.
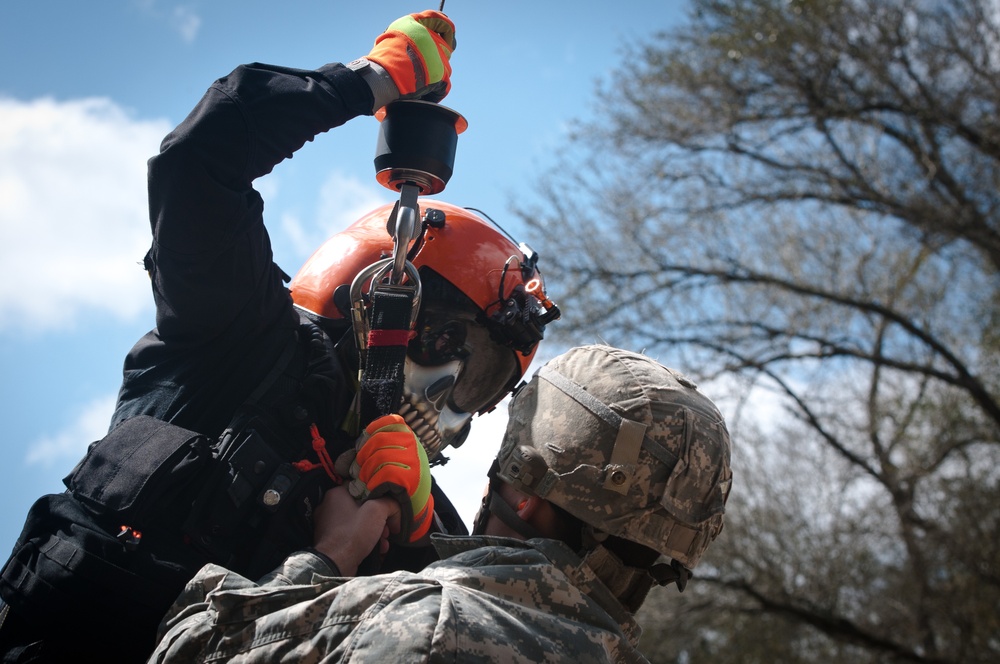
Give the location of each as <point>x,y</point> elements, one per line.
<point>526,602</point>
<point>225,617</point>
<point>190,622</point>
<point>301,567</point>
<point>186,627</point>
<point>490,604</point>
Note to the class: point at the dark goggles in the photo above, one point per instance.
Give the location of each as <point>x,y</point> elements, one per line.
<point>489,369</point>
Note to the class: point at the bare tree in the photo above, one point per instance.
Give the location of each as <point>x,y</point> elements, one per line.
<point>797,201</point>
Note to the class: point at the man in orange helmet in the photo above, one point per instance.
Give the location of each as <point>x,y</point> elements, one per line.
<point>234,409</point>
<point>484,311</point>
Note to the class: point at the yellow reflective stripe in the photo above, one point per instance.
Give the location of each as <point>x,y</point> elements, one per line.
<point>423,492</point>
<point>424,41</point>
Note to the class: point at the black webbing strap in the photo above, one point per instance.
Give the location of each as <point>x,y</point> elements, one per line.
<point>382,377</point>
<point>272,376</point>
<point>381,388</point>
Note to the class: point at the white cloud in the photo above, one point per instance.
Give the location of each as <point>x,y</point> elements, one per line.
<point>343,199</point>
<point>186,22</point>
<point>71,443</point>
<point>73,215</point>
<point>184,19</point>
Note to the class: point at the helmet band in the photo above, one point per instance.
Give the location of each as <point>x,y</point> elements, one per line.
<point>631,434</point>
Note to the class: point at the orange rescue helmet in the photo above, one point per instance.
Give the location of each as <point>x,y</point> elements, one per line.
<point>499,276</point>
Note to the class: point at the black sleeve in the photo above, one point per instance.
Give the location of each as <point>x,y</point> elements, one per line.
<point>211,256</point>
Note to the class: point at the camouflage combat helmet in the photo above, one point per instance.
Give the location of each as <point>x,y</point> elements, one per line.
<point>626,445</point>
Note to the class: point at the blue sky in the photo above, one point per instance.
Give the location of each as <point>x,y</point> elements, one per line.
<point>87,92</point>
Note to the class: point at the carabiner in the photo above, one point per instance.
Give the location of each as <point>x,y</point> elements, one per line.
<point>377,272</point>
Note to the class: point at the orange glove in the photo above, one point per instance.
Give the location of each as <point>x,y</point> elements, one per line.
<point>415,51</point>
<point>391,460</point>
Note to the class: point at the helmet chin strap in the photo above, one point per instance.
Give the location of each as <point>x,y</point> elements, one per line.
<point>494,504</point>
<point>629,584</point>
<point>499,508</point>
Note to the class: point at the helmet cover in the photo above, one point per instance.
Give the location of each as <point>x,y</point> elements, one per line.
<point>624,444</point>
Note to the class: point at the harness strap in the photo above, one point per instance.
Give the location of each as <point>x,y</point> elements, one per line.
<point>381,389</point>
<point>279,366</point>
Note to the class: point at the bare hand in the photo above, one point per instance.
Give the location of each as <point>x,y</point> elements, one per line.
<point>347,531</point>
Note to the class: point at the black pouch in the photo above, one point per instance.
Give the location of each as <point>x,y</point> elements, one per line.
<point>75,568</point>
<point>256,507</point>
<point>143,476</point>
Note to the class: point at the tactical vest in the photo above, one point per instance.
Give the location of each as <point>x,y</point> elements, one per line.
<point>152,502</point>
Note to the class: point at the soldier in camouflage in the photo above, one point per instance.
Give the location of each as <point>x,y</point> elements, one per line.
<point>613,476</point>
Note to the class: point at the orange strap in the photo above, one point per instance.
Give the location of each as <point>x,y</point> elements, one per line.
<point>325,462</point>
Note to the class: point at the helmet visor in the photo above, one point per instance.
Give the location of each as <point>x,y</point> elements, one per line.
<point>488,369</point>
